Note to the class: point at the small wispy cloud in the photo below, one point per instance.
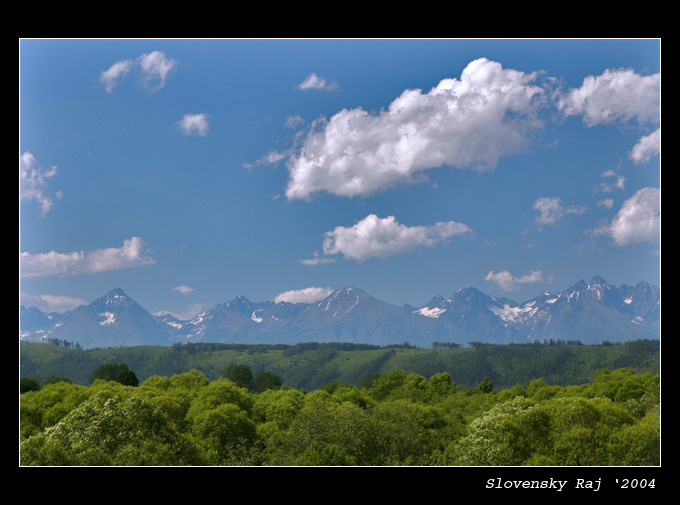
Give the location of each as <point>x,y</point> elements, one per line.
<point>608,186</point>
<point>507,282</point>
<point>33,181</point>
<point>315,82</point>
<point>185,290</point>
<point>305,295</point>
<point>293,122</point>
<point>607,203</point>
<point>191,312</point>
<point>51,303</point>
<point>550,211</point>
<point>317,260</point>
<point>194,124</point>
<point>154,69</point>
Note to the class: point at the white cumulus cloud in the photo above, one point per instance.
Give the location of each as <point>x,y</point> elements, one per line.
<point>647,147</point>
<point>615,95</point>
<point>507,282</point>
<point>639,219</point>
<point>305,295</point>
<point>154,67</point>
<point>185,290</point>
<point>132,253</point>
<point>194,124</point>
<point>469,122</point>
<point>384,237</point>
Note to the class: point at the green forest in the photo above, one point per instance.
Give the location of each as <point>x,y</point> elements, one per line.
<point>553,404</point>
<point>311,365</point>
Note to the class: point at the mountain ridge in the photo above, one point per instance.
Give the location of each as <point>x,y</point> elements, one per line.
<point>590,312</point>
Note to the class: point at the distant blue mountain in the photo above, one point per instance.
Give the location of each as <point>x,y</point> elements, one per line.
<point>110,321</point>
<point>588,312</point>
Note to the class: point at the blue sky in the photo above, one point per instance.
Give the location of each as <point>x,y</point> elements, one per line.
<point>188,172</point>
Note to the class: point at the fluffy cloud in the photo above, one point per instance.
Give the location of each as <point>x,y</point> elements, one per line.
<point>194,124</point>
<point>639,219</point>
<point>313,81</point>
<point>619,96</point>
<point>306,295</point>
<point>507,282</point>
<point>33,182</point>
<point>185,290</point>
<point>153,67</point>
<point>615,95</point>
<point>384,237</point>
<point>468,122</point>
<point>131,254</point>
<point>647,147</point>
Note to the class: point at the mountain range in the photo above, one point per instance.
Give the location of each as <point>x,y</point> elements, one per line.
<point>588,312</point>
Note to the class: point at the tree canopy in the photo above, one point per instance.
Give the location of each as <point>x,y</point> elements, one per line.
<point>397,418</point>
<point>115,372</point>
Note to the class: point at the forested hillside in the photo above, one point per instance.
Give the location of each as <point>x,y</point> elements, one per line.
<point>311,365</point>
<point>546,404</point>
<point>399,419</point>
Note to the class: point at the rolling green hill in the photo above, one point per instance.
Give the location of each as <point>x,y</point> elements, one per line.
<point>312,365</point>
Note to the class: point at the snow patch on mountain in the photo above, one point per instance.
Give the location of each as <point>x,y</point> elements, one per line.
<point>109,318</point>
<point>515,314</point>
<point>434,312</point>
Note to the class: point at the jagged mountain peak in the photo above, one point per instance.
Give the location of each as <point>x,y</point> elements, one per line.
<point>591,312</point>
<point>348,291</point>
<point>598,281</point>
<point>434,308</point>
<point>470,295</point>
<point>435,302</point>
<point>113,301</point>
<point>343,296</point>
<point>116,292</point>
<point>579,286</point>
<point>239,300</point>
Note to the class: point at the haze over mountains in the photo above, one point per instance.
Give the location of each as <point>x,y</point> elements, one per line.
<point>588,312</point>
